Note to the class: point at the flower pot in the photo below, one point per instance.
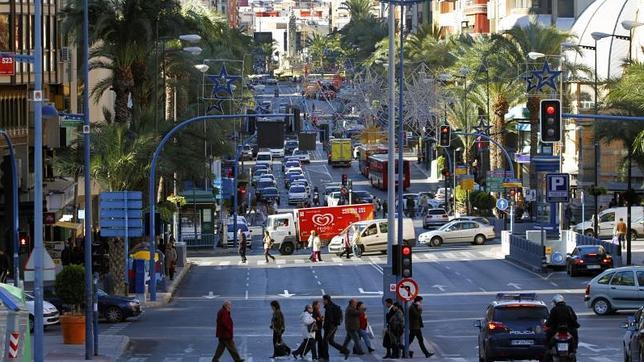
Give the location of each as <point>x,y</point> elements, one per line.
<point>73,327</point>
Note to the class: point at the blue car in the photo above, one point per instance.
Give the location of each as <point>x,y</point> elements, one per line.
<point>115,308</point>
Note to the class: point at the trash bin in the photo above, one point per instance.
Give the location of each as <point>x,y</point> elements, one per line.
<point>182,253</point>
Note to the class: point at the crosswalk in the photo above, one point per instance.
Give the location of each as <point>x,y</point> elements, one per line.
<point>298,260</point>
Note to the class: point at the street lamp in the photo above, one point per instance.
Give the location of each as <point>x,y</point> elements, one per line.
<point>630,25</point>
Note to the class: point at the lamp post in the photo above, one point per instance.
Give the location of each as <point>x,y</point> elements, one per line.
<point>14,207</point>
<point>630,25</point>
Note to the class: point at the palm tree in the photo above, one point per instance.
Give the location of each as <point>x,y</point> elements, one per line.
<point>358,9</point>
<point>518,42</point>
<point>425,46</point>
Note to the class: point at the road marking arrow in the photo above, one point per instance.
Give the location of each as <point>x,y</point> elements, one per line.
<point>514,285</point>
<point>594,348</point>
<point>286,294</point>
<point>439,287</point>
<point>362,291</point>
<point>210,295</point>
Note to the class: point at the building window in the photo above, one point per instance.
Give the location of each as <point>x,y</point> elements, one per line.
<point>4,32</point>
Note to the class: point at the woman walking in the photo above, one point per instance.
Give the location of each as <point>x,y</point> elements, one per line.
<point>171,259</point>
<point>316,245</point>
<point>364,326</point>
<point>309,326</point>
<point>277,325</point>
<point>268,244</point>
<point>319,319</point>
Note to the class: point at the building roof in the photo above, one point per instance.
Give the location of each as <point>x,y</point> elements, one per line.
<point>604,16</point>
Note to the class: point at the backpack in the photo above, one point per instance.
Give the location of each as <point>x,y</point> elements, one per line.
<point>337,311</point>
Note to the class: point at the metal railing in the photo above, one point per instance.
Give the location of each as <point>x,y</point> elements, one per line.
<point>526,252</point>
<point>199,240</point>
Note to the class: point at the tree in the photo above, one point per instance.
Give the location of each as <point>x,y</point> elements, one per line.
<point>358,9</point>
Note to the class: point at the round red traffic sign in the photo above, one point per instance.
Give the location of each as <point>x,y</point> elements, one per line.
<point>407,289</point>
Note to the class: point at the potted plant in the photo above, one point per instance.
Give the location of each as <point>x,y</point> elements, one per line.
<point>70,288</point>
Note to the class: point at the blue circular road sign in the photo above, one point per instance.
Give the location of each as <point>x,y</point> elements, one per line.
<point>502,204</point>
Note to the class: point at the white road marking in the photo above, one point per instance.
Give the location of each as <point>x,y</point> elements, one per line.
<point>225,263</point>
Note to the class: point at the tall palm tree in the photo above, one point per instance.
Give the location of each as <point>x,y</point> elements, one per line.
<point>519,41</point>
<point>358,9</point>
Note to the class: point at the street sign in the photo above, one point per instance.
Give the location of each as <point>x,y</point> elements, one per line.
<point>407,289</point>
<point>502,204</point>
<point>496,178</point>
<point>70,120</point>
<point>121,214</point>
<point>7,64</point>
<point>557,187</point>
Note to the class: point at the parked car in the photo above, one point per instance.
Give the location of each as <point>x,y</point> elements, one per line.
<point>116,308</point>
<point>373,236</point>
<point>513,328</point>
<point>633,340</point>
<point>435,217</point>
<point>51,315</point>
<point>302,155</point>
<point>615,289</point>
<point>588,258</point>
<point>458,232</point>
<point>296,194</point>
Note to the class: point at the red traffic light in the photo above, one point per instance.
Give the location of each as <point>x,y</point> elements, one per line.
<point>550,110</point>
<point>444,129</point>
<point>406,250</point>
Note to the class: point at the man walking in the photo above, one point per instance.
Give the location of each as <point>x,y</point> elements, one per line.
<point>620,232</point>
<point>225,334</point>
<point>243,243</point>
<point>352,325</point>
<point>332,319</point>
<point>415,325</point>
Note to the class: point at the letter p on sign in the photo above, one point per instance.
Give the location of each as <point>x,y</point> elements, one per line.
<point>557,189</point>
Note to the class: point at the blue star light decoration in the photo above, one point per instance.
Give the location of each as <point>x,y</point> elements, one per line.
<point>222,88</point>
<point>543,77</point>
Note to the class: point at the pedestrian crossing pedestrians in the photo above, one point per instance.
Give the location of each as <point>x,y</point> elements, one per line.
<point>427,255</point>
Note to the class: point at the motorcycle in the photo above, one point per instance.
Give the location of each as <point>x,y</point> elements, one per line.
<point>561,347</point>
<point>316,199</point>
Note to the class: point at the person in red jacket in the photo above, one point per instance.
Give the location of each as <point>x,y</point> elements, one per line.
<point>225,334</point>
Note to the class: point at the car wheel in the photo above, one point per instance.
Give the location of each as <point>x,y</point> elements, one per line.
<point>633,235</point>
<point>286,249</point>
<point>113,315</point>
<point>435,241</point>
<point>601,306</point>
<point>479,239</point>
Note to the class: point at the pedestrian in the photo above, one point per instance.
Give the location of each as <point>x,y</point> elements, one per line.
<point>310,245</point>
<point>66,254</point>
<point>77,253</point>
<point>316,245</point>
<point>332,320</point>
<point>415,325</point>
<point>309,326</point>
<point>376,204</point>
<point>620,232</point>
<point>319,320</point>
<point>593,223</point>
<point>393,330</point>
<point>225,334</point>
<point>352,326</point>
<point>410,205</point>
<point>171,259</point>
<point>363,332</point>
<point>243,243</point>
<point>349,241</point>
<point>268,244</point>
<point>277,326</point>
<point>423,204</point>
<point>384,209</point>
<point>568,216</point>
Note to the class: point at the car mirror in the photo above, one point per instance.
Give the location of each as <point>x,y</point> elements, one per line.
<point>477,323</point>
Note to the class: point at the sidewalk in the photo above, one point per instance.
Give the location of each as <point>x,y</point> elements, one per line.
<point>164,298</point>
<point>110,348</point>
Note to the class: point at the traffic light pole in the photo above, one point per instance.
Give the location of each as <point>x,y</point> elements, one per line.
<point>15,224</point>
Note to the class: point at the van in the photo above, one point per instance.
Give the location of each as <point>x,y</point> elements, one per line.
<point>265,156</point>
<point>607,220</point>
<point>373,236</point>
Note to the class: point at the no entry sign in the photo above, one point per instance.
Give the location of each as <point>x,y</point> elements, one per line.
<point>7,64</point>
<point>407,289</point>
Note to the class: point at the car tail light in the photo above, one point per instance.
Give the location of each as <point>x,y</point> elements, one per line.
<point>562,336</point>
<point>607,260</point>
<point>587,292</point>
<point>496,326</point>
<point>579,261</point>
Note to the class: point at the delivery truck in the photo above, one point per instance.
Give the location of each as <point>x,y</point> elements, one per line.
<point>340,152</point>
<point>291,230</point>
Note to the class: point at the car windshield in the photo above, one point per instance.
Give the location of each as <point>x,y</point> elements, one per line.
<point>446,226</point>
<point>594,249</point>
<point>297,189</point>
<point>263,157</point>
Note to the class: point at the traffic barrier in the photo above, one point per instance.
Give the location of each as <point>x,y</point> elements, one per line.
<point>612,249</point>
<point>526,252</point>
<point>199,240</point>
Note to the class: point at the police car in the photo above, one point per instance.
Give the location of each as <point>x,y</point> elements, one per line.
<point>513,328</point>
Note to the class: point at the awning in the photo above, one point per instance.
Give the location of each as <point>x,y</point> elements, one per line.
<point>69,225</point>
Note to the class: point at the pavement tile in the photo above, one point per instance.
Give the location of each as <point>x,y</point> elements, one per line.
<point>110,348</point>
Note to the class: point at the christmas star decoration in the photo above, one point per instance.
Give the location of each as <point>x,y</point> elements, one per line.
<point>217,105</point>
<point>222,84</point>
<point>529,78</point>
<point>483,127</point>
<point>546,77</point>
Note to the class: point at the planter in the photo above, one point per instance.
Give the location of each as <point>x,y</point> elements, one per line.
<point>73,327</point>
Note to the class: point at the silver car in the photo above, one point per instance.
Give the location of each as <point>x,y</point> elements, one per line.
<point>616,289</point>
<point>458,232</point>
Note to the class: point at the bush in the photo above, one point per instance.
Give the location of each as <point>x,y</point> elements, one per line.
<point>70,285</point>
<point>482,201</point>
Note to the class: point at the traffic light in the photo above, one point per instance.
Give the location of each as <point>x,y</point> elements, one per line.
<point>23,238</point>
<point>100,258</point>
<point>405,261</point>
<point>550,120</point>
<point>395,259</point>
<point>344,179</point>
<point>445,136</point>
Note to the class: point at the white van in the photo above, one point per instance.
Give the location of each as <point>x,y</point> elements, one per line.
<point>607,220</point>
<point>264,156</point>
<point>373,236</point>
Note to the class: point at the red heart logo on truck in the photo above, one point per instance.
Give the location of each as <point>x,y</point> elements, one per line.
<point>322,219</point>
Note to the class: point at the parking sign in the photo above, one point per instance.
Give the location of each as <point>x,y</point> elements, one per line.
<point>557,187</point>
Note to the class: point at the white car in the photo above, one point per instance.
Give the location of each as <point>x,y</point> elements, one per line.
<point>333,199</point>
<point>244,227</point>
<point>50,316</point>
<point>302,182</point>
<point>297,193</point>
<point>268,176</point>
<point>302,155</point>
<point>277,152</point>
<point>295,170</point>
<point>240,220</point>
<point>458,232</point>
<point>265,156</point>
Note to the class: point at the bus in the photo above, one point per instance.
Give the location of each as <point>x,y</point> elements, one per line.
<point>363,152</point>
<point>378,172</point>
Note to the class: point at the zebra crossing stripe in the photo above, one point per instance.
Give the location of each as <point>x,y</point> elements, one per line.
<point>225,263</point>
<point>280,261</point>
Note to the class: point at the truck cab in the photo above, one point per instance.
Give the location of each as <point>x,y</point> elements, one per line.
<point>283,231</point>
